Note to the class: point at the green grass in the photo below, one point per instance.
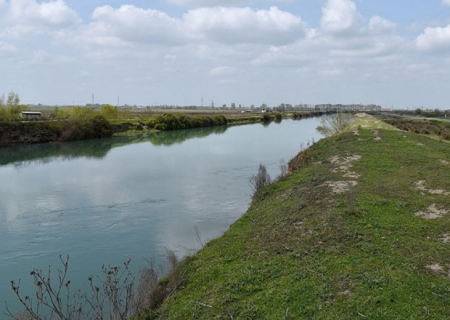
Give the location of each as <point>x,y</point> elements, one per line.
<point>303,252</point>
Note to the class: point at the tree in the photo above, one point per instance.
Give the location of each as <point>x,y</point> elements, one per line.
<point>10,110</point>
<point>13,99</point>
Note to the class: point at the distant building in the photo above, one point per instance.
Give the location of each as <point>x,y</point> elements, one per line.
<point>31,115</point>
<point>347,107</point>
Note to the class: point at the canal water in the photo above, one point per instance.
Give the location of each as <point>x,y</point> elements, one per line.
<point>105,201</point>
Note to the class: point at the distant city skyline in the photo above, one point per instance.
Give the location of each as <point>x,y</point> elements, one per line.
<point>183,52</point>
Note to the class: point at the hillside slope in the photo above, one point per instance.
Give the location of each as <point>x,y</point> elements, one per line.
<point>362,230</point>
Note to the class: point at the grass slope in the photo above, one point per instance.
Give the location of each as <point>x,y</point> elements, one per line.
<point>303,251</point>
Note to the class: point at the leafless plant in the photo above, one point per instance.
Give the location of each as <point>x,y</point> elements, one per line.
<point>112,295</point>
<point>54,300</point>
<point>199,238</point>
<point>260,180</point>
<point>330,125</point>
<point>283,168</point>
<point>148,281</point>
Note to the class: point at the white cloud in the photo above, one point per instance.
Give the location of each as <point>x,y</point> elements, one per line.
<point>6,47</point>
<point>380,25</point>
<point>340,16</point>
<point>283,57</point>
<point>135,25</point>
<point>131,25</point>
<point>244,25</point>
<point>332,72</point>
<point>446,2</point>
<point>49,14</point>
<point>222,71</point>
<point>434,39</point>
<point>209,3</point>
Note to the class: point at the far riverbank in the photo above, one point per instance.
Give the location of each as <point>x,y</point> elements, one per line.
<point>88,124</point>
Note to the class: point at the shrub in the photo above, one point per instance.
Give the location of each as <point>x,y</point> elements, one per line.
<point>109,112</point>
<point>333,124</point>
<point>171,121</point>
<point>111,295</point>
<point>265,117</point>
<point>260,180</point>
<point>278,116</point>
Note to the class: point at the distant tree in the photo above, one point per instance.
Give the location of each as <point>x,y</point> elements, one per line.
<point>13,99</point>
<point>233,106</point>
<point>418,111</point>
<point>10,108</point>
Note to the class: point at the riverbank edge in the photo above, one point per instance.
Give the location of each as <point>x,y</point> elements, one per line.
<point>34,132</point>
<point>341,237</point>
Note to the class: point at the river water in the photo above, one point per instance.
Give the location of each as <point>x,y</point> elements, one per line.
<point>106,201</point>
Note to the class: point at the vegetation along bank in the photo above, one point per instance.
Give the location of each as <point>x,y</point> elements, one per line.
<point>79,123</point>
<point>361,229</point>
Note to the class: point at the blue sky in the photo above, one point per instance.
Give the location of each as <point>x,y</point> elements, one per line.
<point>178,52</point>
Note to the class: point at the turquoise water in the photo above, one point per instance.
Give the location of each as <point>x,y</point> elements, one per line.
<point>105,201</point>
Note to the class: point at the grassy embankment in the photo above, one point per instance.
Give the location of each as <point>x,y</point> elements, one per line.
<point>360,231</point>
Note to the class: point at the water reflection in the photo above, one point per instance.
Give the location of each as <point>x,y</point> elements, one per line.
<point>130,197</point>
<point>27,155</point>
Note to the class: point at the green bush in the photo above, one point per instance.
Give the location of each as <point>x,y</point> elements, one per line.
<point>265,117</point>
<point>109,111</point>
<point>170,121</point>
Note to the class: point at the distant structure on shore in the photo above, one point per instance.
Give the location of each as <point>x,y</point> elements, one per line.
<point>347,107</point>
<point>283,107</point>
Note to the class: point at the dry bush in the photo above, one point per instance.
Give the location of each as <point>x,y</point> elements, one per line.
<point>283,169</point>
<point>330,125</point>
<point>112,295</point>
<point>260,180</point>
<point>301,158</point>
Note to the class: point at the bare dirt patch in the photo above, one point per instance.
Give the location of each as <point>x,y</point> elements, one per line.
<point>432,213</point>
<point>435,267</point>
<point>344,165</point>
<point>352,175</point>
<point>444,162</point>
<point>364,115</point>
<point>445,238</point>
<point>339,187</point>
<point>376,133</point>
<point>420,185</point>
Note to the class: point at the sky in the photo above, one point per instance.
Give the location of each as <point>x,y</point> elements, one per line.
<point>395,53</point>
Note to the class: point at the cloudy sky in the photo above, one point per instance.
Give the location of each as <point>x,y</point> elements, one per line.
<point>389,52</point>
